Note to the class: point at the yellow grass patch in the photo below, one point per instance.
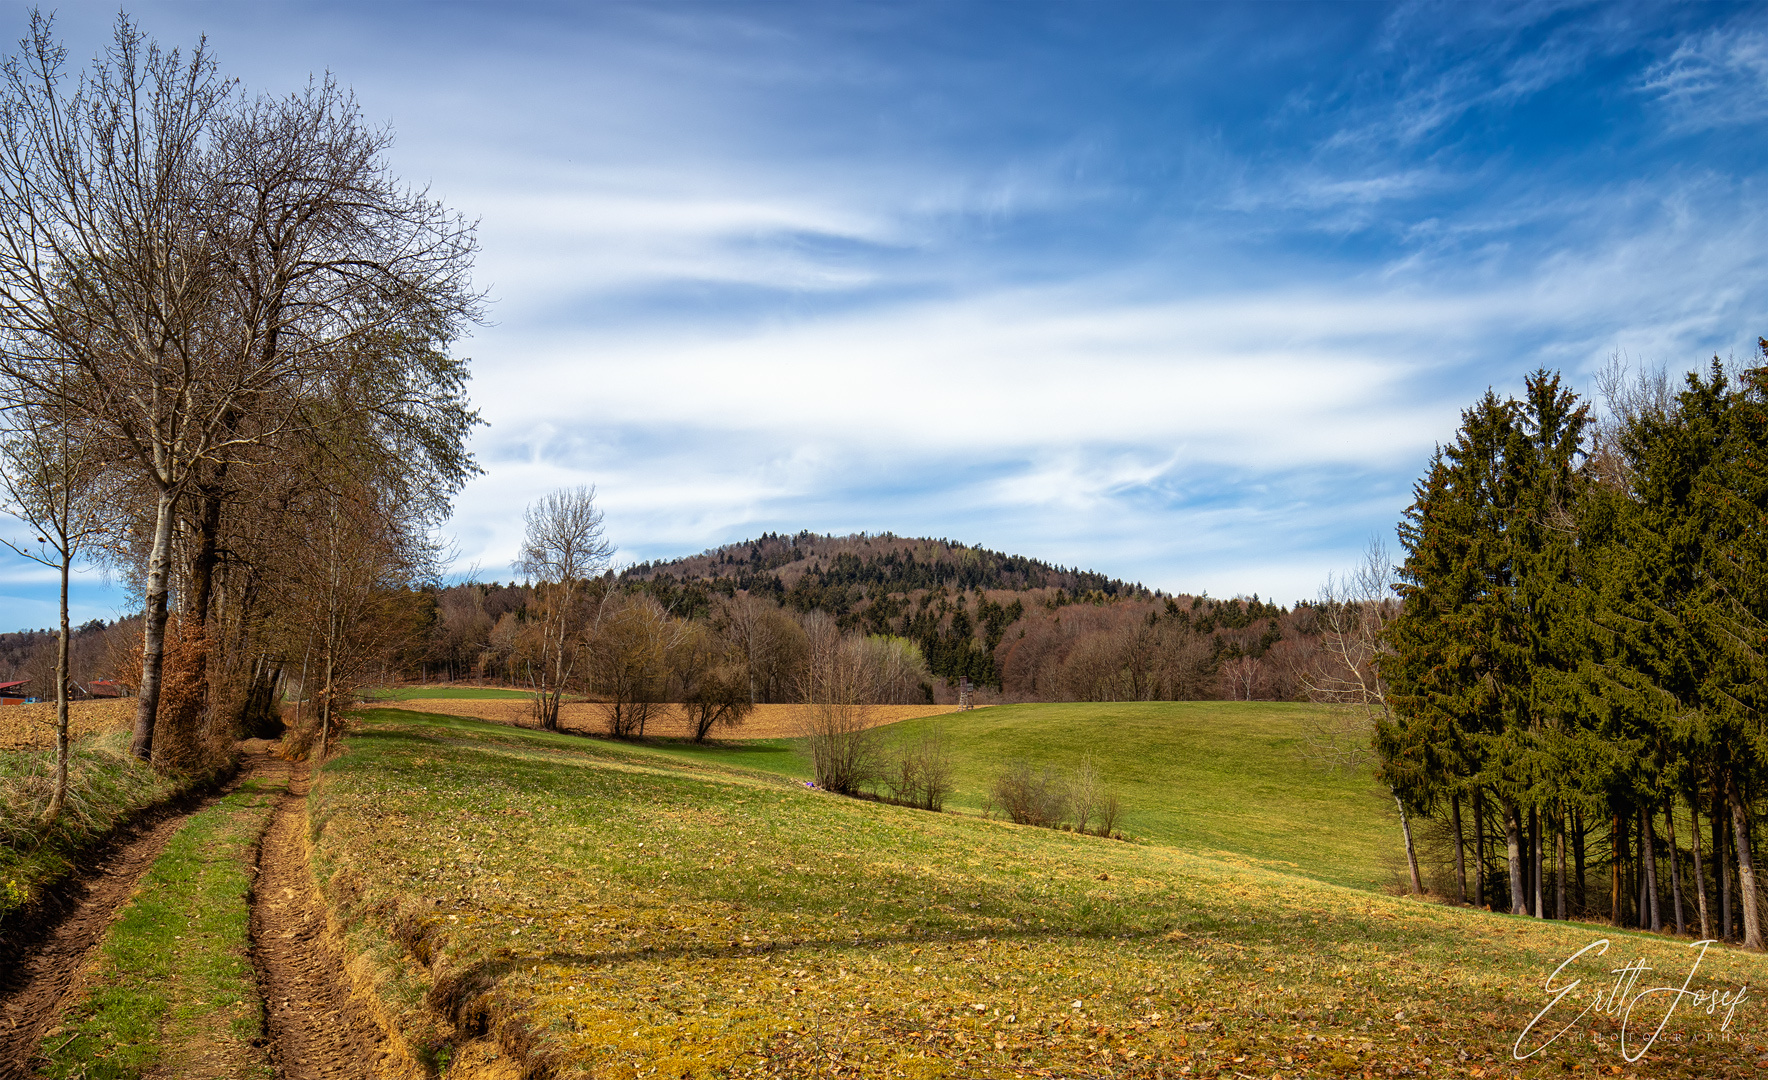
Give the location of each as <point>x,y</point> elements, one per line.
<point>765,722</point>
<point>32,727</point>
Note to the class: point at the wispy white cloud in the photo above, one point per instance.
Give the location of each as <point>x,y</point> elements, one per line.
<point>1715,79</point>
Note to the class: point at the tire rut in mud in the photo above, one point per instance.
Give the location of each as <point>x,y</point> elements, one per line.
<point>317,1028</point>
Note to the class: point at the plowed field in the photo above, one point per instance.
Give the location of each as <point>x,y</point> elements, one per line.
<point>27,727</point>
<point>766,722</point>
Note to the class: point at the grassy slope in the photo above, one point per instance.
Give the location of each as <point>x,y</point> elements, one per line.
<point>106,786</point>
<point>1223,777</point>
<point>613,911</point>
<point>174,990</point>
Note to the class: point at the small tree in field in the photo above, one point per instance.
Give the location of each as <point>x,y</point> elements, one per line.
<point>714,689</point>
<point>564,547</point>
<point>632,651</point>
<point>920,773</point>
<point>1353,615</point>
<point>50,480</point>
<point>838,688</point>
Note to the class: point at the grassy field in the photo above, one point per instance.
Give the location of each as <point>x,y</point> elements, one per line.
<point>611,911</point>
<point>1212,777</point>
<point>174,993</point>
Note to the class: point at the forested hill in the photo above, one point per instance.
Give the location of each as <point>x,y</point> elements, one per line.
<point>809,562</point>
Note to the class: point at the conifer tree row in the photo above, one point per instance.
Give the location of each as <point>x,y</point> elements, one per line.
<point>1579,650</point>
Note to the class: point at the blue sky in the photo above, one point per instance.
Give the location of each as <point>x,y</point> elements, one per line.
<point>1185,294</point>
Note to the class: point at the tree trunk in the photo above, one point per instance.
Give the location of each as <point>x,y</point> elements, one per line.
<point>1617,843</point>
<point>1411,853</point>
<point>1648,862</point>
<point>1583,897</point>
<point>1700,873</point>
<point>1675,865</point>
<point>1460,850</point>
<point>1643,906</point>
<point>153,627</point>
<point>1559,859</point>
<point>1721,859</point>
<point>59,796</point>
<point>1746,865</point>
<point>1479,848</point>
<point>1519,892</point>
<point>1536,892</point>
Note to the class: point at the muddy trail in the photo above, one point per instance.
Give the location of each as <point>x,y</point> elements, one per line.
<point>51,976</point>
<point>317,1027</point>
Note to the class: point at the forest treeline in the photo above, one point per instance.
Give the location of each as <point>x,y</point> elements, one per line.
<point>1574,676</point>
<point>1018,629</point>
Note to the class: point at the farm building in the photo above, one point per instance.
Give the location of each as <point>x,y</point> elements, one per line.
<point>13,693</point>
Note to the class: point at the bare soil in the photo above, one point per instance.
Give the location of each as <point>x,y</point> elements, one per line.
<point>318,1028</point>
<point>588,718</point>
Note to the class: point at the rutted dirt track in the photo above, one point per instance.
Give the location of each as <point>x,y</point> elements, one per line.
<point>50,979</point>
<point>317,1029</point>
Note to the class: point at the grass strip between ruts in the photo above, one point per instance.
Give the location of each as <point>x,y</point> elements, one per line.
<point>174,988</point>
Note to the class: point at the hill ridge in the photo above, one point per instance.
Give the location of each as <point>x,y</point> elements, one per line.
<point>897,563</point>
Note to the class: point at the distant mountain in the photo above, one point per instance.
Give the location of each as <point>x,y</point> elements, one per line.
<point>810,562</point>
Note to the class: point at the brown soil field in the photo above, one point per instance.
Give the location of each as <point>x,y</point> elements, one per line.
<point>766,722</point>
<point>32,727</point>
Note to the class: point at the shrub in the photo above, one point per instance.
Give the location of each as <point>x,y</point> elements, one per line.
<point>717,698</point>
<point>1031,798</point>
<point>1110,809</point>
<point>921,773</point>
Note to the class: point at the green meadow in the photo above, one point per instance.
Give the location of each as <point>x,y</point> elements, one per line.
<point>598,909</point>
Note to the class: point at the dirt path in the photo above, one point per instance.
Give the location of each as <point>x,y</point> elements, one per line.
<point>52,977</point>
<point>317,1028</point>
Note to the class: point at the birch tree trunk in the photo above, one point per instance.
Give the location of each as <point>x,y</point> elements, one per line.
<point>1411,853</point>
<point>1519,894</point>
<point>1746,865</point>
<point>59,797</point>
<point>153,626</point>
<point>1700,873</point>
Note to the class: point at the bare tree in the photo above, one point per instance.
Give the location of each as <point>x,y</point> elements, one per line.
<point>714,690</point>
<point>1353,613</point>
<point>207,267</point>
<point>632,652</point>
<point>772,646</point>
<point>838,687</point>
<point>564,547</point>
<point>52,481</point>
